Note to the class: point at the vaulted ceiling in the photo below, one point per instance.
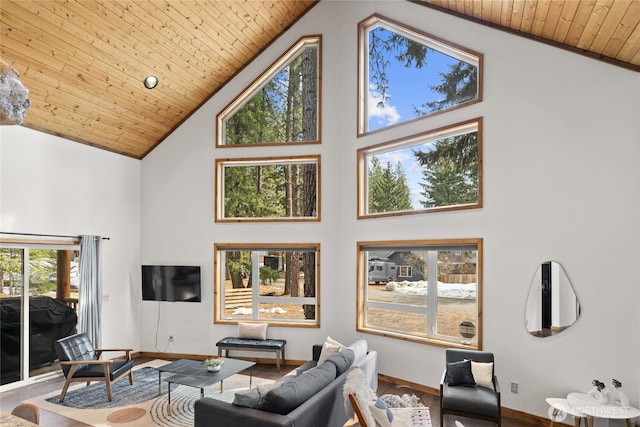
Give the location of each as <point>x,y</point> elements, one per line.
<point>84,61</point>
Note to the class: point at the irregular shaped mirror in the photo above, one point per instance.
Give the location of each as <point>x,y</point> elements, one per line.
<point>552,305</point>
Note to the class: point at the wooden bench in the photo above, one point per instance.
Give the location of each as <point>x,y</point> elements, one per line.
<point>250,344</point>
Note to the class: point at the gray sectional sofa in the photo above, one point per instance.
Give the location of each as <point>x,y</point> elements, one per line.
<point>309,396</point>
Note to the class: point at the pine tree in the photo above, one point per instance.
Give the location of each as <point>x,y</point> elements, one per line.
<point>388,188</point>
<point>450,172</point>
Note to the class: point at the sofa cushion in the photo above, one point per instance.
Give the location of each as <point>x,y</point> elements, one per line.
<point>293,393</point>
<point>342,360</point>
<point>301,369</point>
<point>251,398</point>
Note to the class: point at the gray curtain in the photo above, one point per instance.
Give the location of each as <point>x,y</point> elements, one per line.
<point>90,298</point>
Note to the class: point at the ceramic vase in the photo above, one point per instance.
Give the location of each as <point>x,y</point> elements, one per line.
<point>617,397</point>
<point>213,368</point>
<point>597,395</point>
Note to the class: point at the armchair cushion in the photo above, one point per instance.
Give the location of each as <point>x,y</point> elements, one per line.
<point>459,374</point>
<point>473,400</point>
<point>94,370</point>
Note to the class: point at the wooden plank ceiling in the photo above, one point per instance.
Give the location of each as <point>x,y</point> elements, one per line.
<point>84,61</point>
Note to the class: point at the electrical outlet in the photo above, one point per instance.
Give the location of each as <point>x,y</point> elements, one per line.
<point>514,387</point>
<point>172,340</point>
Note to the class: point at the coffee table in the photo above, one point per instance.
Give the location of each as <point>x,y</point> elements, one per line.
<point>193,373</point>
<point>592,409</point>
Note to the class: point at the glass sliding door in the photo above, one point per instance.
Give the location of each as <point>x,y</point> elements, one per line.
<point>12,270</point>
<point>38,302</point>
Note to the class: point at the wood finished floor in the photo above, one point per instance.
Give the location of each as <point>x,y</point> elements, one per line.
<point>9,399</point>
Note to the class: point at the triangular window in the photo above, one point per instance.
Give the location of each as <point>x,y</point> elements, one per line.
<point>282,106</point>
<point>405,74</point>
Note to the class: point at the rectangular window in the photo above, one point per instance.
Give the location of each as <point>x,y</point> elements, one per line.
<point>268,189</point>
<point>436,170</point>
<point>404,271</point>
<point>275,283</point>
<point>435,298</point>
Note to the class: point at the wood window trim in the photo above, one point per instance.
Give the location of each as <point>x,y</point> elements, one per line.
<point>218,294</point>
<point>219,190</point>
<point>362,170</point>
<point>361,280</point>
<point>363,83</point>
<point>262,79</point>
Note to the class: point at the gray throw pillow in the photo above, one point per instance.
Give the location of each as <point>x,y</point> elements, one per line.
<point>293,393</point>
<point>459,373</point>
<point>251,398</point>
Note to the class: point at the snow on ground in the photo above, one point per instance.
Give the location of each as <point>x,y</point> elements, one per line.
<point>445,290</point>
<point>245,311</point>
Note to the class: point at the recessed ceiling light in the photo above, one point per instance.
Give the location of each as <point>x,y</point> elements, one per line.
<point>150,82</point>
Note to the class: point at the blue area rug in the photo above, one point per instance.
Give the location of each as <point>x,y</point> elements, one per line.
<point>144,388</point>
<point>138,405</point>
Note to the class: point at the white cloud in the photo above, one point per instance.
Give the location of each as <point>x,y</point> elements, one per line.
<point>387,114</point>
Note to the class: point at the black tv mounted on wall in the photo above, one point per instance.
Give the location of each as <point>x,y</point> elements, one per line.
<point>171,283</point>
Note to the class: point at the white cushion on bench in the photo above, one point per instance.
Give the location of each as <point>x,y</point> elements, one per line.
<point>257,331</point>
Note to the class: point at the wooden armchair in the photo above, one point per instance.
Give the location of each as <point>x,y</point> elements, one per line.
<point>81,362</point>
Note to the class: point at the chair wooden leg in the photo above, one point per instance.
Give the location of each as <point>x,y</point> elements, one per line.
<point>67,381</point>
<point>64,391</point>
<point>107,381</point>
<point>108,384</point>
<point>131,377</point>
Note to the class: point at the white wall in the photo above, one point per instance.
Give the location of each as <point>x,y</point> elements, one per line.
<point>561,149</point>
<point>50,185</point>
<point>561,182</point>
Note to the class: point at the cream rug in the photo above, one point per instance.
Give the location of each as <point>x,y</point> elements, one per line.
<point>153,412</point>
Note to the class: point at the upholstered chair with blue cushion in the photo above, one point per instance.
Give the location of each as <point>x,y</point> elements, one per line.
<point>469,386</point>
<point>80,361</point>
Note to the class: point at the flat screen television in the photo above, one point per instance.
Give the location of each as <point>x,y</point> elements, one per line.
<point>171,283</point>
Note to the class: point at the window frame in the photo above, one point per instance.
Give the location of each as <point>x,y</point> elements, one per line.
<point>263,79</point>
<point>431,41</point>
<point>430,135</point>
<point>428,338</point>
<point>256,161</point>
<point>218,290</point>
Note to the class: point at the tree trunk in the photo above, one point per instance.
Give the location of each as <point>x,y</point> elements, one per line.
<point>63,275</point>
<point>309,127</point>
<point>235,274</point>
